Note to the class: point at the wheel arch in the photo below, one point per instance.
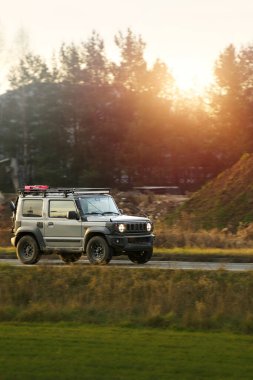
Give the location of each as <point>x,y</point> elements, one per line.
<point>36,234</point>
<point>90,232</point>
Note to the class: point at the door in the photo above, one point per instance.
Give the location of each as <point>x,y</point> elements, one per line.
<point>61,232</point>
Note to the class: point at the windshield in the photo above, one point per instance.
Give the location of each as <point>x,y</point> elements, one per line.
<point>98,204</point>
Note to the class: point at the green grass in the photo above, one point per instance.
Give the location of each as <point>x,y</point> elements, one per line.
<point>60,351</point>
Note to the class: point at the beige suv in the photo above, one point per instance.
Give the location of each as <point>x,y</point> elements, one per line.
<point>76,222</point>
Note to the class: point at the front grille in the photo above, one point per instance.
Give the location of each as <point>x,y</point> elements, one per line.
<point>136,227</point>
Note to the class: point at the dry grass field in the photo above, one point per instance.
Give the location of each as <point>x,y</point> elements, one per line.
<point>109,295</point>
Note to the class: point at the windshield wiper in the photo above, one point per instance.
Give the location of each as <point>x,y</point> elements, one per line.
<point>110,213</point>
<point>93,213</point>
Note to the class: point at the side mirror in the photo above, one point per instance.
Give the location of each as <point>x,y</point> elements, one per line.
<point>72,215</point>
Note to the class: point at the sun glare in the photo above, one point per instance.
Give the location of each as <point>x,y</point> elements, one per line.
<point>192,78</point>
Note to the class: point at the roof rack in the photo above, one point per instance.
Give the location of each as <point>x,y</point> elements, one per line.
<point>37,190</point>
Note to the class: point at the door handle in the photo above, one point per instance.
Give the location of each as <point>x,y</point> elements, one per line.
<point>50,224</point>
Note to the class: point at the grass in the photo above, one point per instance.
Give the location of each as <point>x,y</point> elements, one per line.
<point>204,254</point>
<point>178,251</point>
<point>183,235</point>
<point>7,250</point>
<point>204,251</point>
<point>49,351</point>
<point>138,297</point>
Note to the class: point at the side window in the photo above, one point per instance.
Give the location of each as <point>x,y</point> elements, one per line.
<point>59,209</point>
<point>32,208</point>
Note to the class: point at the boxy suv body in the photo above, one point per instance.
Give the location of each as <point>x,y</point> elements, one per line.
<point>72,222</point>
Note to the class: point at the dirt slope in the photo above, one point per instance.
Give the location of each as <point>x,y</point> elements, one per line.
<point>226,201</point>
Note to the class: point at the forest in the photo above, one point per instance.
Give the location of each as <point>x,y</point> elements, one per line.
<point>84,120</point>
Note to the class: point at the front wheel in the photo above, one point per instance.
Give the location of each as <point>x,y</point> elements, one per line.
<point>27,250</point>
<point>70,257</point>
<point>140,257</point>
<point>98,251</point>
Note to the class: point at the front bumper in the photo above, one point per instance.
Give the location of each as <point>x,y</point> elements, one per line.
<point>131,243</point>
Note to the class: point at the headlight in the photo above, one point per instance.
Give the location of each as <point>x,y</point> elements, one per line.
<point>149,227</point>
<point>121,227</point>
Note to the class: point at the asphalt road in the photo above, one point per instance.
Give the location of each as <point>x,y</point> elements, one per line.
<point>173,265</point>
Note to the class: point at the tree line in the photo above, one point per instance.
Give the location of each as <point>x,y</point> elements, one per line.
<point>84,120</point>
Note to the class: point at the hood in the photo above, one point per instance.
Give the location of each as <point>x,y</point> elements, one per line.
<point>129,218</point>
<point>117,218</point>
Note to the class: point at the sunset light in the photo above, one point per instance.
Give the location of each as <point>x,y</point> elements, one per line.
<point>188,35</point>
<point>191,78</point>
<point>126,130</point>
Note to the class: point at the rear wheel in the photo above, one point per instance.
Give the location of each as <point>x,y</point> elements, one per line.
<point>140,257</point>
<point>98,251</point>
<point>27,250</point>
<point>70,257</point>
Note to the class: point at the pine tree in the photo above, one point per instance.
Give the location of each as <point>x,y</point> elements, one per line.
<point>132,72</point>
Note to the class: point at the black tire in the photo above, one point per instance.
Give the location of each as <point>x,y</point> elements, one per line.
<point>70,257</point>
<point>27,250</point>
<point>140,257</point>
<point>98,251</point>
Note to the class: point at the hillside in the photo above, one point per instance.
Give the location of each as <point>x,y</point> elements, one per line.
<point>226,201</point>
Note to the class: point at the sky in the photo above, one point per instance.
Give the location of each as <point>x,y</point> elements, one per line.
<point>188,35</point>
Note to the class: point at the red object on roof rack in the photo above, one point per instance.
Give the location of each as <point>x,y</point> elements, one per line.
<point>36,187</point>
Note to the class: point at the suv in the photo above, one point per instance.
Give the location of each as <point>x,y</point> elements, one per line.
<point>72,222</point>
